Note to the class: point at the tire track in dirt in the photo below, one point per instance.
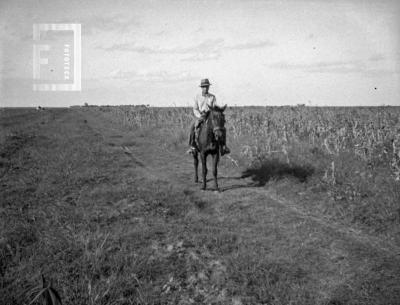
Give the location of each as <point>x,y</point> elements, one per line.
<point>371,241</point>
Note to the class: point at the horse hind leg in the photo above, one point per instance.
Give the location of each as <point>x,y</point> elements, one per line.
<point>196,167</point>
<point>204,168</point>
<point>215,170</point>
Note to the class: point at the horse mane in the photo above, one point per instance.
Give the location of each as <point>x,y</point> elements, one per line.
<point>217,109</point>
<point>208,115</point>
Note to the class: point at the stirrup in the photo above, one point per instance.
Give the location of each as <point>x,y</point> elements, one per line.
<point>191,150</point>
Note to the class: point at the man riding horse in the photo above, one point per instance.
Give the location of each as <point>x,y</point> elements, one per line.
<point>202,104</point>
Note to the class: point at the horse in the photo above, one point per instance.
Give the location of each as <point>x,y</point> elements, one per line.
<point>208,142</point>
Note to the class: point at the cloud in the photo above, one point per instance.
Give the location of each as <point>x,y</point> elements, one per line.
<point>159,33</point>
<point>312,66</point>
<point>251,45</point>
<point>203,57</point>
<point>376,57</point>
<point>209,49</point>
<point>109,23</point>
<point>152,76</point>
<point>355,66</point>
<point>209,45</point>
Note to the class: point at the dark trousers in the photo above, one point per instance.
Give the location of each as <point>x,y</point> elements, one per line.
<point>191,135</point>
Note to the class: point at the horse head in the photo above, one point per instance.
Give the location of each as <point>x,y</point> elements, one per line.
<point>218,121</point>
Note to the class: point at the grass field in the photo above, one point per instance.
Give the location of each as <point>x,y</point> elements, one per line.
<point>100,200</point>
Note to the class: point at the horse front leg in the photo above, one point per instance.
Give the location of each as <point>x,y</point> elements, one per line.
<point>215,170</point>
<point>196,167</point>
<point>204,168</point>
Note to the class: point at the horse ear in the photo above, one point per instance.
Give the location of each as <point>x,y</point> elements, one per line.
<point>223,108</point>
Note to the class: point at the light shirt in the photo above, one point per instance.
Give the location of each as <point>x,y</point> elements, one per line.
<point>202,103</point>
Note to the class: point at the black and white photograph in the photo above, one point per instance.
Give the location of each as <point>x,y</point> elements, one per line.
<point>190,152</point>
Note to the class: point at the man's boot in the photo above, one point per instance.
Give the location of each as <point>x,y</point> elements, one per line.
<point>191,150</point>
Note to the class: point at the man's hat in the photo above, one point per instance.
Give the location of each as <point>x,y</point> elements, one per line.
<point>205,83</point>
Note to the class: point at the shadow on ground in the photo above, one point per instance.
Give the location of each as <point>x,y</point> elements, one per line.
<point>276,169</point>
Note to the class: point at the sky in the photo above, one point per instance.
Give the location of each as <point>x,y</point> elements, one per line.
<point>319,52</point>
